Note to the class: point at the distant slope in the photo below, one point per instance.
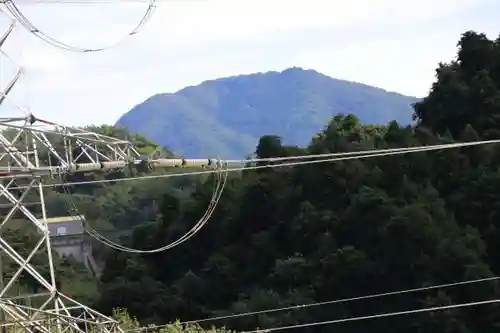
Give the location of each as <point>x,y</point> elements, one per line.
<point>225,117</point>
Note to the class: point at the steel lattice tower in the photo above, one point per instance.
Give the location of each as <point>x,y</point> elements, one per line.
<point>33,151</point>
<point>23,169</point>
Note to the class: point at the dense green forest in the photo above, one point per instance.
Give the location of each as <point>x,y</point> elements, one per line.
<point>314,233</point>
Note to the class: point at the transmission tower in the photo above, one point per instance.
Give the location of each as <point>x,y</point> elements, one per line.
<point>32,153</point>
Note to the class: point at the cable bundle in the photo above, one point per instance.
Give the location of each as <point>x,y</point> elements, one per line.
<point>219,184</point>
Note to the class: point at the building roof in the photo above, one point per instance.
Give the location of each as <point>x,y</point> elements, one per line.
<point>65,219</point>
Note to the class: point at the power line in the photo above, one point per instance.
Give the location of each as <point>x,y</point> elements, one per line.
<point>337,301</point>
<point>217,193</point>
<point>335,157</point>
<point>369,151</point>
<point>18,15</point>
<point>382,315</point>
<point>300,157</point>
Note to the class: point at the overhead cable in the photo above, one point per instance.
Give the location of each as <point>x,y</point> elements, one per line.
<point>317,304</point>
<point>375,316</point>
<point>309,159</point>
<point>220,182</point>
<point>17,14</point>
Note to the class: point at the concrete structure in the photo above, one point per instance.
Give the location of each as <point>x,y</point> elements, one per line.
<point>68,239</point>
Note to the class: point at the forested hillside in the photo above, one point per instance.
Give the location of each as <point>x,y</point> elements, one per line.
<point>315,233</point>
<point>226,117</point>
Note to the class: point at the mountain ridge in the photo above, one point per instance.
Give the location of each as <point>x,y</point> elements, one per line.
<point>226,116</point>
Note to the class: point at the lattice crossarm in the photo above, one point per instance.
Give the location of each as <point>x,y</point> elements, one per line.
<point>10,86</point>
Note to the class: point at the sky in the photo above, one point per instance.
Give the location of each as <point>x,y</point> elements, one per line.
<point>392,44</point>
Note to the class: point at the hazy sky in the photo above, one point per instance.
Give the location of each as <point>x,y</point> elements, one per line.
<point>392,44</point>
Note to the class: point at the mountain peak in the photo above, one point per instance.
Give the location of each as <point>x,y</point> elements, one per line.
<point>225,117</point>
<point>299,70</point>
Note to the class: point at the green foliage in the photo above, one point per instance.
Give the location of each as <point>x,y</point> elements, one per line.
<point>143,145</point>
<point>466,91</point>
<point>129,323</point>
<point>314,233</point>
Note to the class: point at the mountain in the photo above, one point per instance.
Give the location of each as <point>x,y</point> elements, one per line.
<point>226,117</point>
